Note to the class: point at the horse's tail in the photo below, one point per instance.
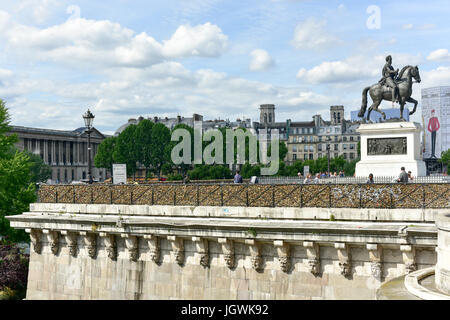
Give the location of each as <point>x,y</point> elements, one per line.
<point>364,103</point>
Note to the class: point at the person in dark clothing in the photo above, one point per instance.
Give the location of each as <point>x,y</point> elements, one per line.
<point>370,180</point>
<point>237,177</point>
<point>403,177</point>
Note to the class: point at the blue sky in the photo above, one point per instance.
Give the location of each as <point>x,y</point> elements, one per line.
<point>126,58</point>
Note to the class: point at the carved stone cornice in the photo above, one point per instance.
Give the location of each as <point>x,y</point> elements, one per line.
<point>36,241</point>
<point>409,258</point>
<point>53,240</point>
<point>228,251</point>
<point>90,240</point>
<point>313,254</point>
<point>255,253</point>
<point>345,258</point>
<point>110,244</point>
<point>177,244</point>
<point>72,241</point>
<point>202,247</point>
<point>132,244</point>
<point>154,247</point>
<point>375,257</point>
<point>284,254</point>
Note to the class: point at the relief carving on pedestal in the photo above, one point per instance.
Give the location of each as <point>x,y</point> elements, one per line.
<point>386,146</point>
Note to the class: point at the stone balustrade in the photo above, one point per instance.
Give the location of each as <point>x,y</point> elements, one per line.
<point>104,251</point>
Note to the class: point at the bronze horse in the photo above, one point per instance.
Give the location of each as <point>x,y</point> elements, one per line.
<point>379,92</point>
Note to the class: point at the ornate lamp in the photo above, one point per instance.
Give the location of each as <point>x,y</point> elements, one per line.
<point>88,121</point>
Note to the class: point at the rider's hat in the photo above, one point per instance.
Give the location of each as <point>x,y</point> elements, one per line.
<point>388,57</point>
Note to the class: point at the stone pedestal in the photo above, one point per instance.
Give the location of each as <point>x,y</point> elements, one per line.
<point>386,147</point>
<point>442,270</point>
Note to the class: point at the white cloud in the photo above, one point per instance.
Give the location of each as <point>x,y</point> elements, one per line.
<point>312,34</point>
<point>354,68</point>
<point>203,40</point>
<point>408,26</point>
<point>261,60</point>
<point>439,55</point>
<point>107,44</point>
<point>436,77</point>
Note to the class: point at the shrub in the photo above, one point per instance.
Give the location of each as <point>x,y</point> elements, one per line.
<point>13,271</point>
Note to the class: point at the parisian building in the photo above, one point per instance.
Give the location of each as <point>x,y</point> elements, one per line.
<point>64,151</point>
<point>307,140</point>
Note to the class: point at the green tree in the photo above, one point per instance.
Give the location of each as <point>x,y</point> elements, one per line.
<point>40,171</point>
<point>144,144</point>
<point>125,150</point>
<point>104,157</point>
<point>17,190</point>
<point>445,159</point>
<point>160,147</point>
<point>184,167</point>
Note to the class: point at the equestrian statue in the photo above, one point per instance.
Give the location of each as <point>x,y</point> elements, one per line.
<point>394,86</point>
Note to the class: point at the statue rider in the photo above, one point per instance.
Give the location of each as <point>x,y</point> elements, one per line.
<point>389,75</point>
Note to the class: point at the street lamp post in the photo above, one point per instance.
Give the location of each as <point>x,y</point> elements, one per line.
<point>328,154</point>
<point>88,120</point>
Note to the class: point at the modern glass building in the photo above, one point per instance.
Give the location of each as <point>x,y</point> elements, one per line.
<point>436,120</point>
<point>376,116</point>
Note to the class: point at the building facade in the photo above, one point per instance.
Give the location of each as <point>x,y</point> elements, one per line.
<point>64,151</point>
<point>436,121</point>
<point>307,140</point>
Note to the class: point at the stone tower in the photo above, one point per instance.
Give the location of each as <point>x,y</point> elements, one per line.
<point>267,113</point>
<point>337,114</point>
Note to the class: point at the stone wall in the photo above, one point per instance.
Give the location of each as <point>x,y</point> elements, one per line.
<point>101,251</point>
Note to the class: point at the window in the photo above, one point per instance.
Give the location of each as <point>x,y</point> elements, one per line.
<point>344,138</point>
<point>25,143</point>
<point>305,156</point>
<point>320,139</point>
<point>64,152</point>
<point>345,156</point>
<point>336,138</point>
<point>305,148</point>
<point>294,139</point>
<point>345,146</point>
<point>352,155</point>
<point>336,147</point>
<point>311,156</point>
<point>294,148</point>
<point>58,175</point>
<point>339,117</point>
<point>71,153</point>
<point>65,175</point>
<point>265,117</point>
<point>73,174</point>
<point>294,157</point>
<point>351,137</point>
<point>311,148</point>
<point>352,146</point>
<point>337,129</point>
<point>270,117</point>
<point>57,152</point>
<point>49,149</point>
<point>319,147</point>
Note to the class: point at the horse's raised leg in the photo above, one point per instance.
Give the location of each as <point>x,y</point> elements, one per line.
<point>374,107</point>
<point>411,100</point>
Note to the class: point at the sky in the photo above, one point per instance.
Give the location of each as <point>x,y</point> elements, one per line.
<point>222,59</point>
